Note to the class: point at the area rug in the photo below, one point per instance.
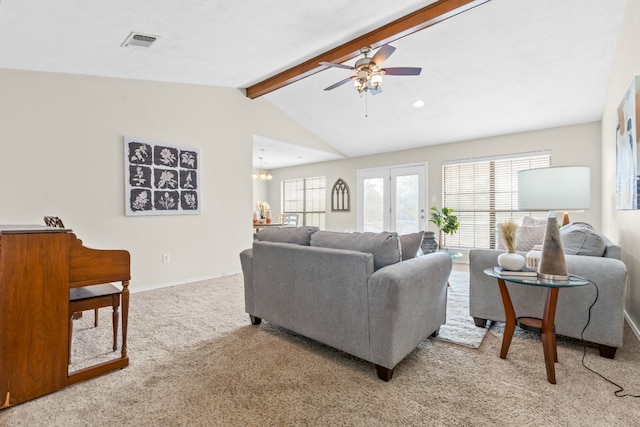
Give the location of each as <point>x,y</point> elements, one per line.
<point>460,328</point>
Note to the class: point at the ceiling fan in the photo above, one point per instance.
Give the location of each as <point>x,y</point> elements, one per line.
<point>368,74</point>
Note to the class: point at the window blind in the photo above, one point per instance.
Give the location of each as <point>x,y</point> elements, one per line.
<point>306,197</point>
<point>484,192</point>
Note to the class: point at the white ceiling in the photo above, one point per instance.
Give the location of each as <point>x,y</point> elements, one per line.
<point>506,66</point>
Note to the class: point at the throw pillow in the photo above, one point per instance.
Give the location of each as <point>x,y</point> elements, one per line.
<point>529,236</point>
<point>579,238</point>
<point>526,238</point>
<point>384,246</point>
<point>531,221</point>
<point>410,243</point>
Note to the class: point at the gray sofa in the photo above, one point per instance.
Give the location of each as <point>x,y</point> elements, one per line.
<point>599,263</point>
<point>350,291</point>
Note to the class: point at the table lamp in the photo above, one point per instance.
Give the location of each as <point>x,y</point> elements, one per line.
<point>555,188</point>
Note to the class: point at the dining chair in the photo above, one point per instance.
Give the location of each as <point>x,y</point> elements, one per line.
<point>289,219</point>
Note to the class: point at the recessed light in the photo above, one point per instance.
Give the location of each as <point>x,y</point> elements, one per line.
<point>419,103</point>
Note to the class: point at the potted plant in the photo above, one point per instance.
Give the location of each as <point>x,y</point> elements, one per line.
<point>445,220</point>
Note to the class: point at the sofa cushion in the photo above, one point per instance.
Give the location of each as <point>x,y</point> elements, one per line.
<point>384,246</point>
<point>529,221</point>
<point>579,238</point>
<point>527,236</point>
<point>297,235</point>
<point>410,243</point>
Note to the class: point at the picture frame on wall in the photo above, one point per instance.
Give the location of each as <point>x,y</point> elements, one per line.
<point>627,178</point>
<point>160,178</point>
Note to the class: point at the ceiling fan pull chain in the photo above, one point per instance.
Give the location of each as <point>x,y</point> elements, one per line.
<point>366,105</point>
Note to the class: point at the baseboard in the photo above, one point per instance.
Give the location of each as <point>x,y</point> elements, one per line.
<point>183,282</point>
<point>633,326</point>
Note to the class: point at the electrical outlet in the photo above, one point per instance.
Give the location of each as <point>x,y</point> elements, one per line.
<point>166,258</point>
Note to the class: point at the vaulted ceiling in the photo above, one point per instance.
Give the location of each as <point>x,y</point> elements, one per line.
<point>504,66</point>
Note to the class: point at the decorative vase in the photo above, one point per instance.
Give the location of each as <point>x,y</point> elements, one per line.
<point>511,261</point>
<point>429,243</point>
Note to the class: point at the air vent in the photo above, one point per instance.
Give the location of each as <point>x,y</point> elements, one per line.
<point>139,39</point>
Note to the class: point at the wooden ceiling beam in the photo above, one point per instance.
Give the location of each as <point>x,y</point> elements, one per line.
<point>402,27</point>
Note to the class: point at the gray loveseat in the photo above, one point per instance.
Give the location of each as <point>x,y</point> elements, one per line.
<point>589,255</point>
<point>347,290</point>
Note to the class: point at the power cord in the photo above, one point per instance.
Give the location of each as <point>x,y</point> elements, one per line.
<point>618,392</point>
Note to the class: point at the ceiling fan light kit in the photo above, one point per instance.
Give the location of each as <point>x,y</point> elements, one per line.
<point>367,72</point>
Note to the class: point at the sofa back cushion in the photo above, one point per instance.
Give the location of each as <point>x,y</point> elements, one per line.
<point>297,235</point>
<point>384,246</point>
<point>579,238</point>
<point>410,243</point>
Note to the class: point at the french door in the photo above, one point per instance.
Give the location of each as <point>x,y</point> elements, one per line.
<point>392,199</point>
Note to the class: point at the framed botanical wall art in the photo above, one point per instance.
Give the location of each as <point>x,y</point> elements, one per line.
<point>627,179</point>
<point>160,179</point>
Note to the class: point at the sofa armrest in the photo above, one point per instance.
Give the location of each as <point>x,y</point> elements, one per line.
<point>607,315</point>
<point>246,261</point>
<point>407,303</point>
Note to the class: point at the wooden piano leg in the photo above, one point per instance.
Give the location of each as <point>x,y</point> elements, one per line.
<point>125,315</point>
<point>70,339</point>
<point>114,319</point>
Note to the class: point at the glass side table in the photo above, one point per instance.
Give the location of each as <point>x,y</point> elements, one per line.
<point>452,254</point>
<point>545,325</point>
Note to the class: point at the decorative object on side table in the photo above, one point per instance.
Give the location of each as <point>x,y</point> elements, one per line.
<point>524,273</point>
<point>446,222</point>
<point>532,258</point>
<point>510,260</point>
<point>561,188</point>
<point>429,243</point>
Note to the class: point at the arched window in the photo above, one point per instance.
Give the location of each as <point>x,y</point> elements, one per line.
<point>340,200</point>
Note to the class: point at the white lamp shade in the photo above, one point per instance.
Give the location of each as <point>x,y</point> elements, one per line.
<point>556,188</point>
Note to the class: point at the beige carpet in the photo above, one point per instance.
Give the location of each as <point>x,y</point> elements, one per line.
<point>196,361</point>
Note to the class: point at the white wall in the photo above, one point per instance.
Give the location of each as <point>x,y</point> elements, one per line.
<point>61,154</point>
<point>570,145</point>
<point>622,226</point>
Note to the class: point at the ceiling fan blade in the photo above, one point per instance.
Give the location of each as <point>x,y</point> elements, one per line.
<point>382,54</point>
<point>340,83</point>
<point>402,71</point>
<point>333,64</point>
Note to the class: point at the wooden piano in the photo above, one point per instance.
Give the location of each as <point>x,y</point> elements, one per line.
<point>38,266</point>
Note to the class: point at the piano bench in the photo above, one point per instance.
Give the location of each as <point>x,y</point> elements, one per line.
<point>92,298</point>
